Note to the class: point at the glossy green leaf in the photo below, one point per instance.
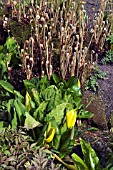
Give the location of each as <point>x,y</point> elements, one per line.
<point>7,86</point>
<point>35,81</point>
<point>66,143</point>
<point>72,86</point>
<point>29,86</point>
<point>41,137</point>
<point>90,157</point>
<point>66,147</point>
<point>10,105</point>
<point>10,44</point>
<point>18,94</point>
<point>49,92</point>
<point>35,96</point>
<point>85,114</point>
<point>58,98</point>
<point>3,67</point>
<point>56,141</point>
<point>43,83</point>
<point>63,128</point>
<point>57,113</point>
<point>75,90</point>
<point>1,48</point>
<point>1,125</point>
<point>20,109</point>
<point>39,112</point>
<point>55,125</point>
<point>32,104</point>
<point>72,81</point>
<point>56,78</point>
<point>30,122</point>
<point>44,80</point>
<point>14,121</point>
<point>79,162</point>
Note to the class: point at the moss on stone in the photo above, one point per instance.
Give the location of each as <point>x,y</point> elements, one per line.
<point>96,105</point>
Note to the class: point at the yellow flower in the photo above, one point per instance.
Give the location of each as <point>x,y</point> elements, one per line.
<point>50,135</point>
<point>71,118</point>
<point>78,83</point>
<point>27,101</point>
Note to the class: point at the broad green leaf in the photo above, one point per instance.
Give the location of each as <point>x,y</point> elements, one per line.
<point>66,144</point>
<point>7,86</point>
<point>35,95</point>
<point>90,157</point>
<point>20,109</point>
<point>73,87</point>
<point>3,67</point>
<point>77,101</point>
<point>49,95</point>
<point>17,93</point>
<point>14,121</point>
<point>62,85</point>
<point>79,162</point>
<point>44,80</point>
<point>84,114</point>
<point>57,113</point>
<point>65,140</point>
<point>10,105</point>
<point>63,128</point>
<point>49,92</point>
<point>30,122</point>
<point>39,112</point>
<point>56,141</point>
<point>55,125</point>
<point>75,90</point>
<point>43,83</point>
<point>1,49</point>
<point>56,78</point>
<point>72,81</point>
<point>41,137</point>
<point>35,80</point>
<point>68,98</point>
<point>32,104</point>
<point>1,125</point>
<point>10,44</point>
<point>58,98</point>
<point>28,85</point>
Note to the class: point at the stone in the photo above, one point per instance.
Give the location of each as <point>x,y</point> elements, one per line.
<point>111,121</point>
<point>94,103</point>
